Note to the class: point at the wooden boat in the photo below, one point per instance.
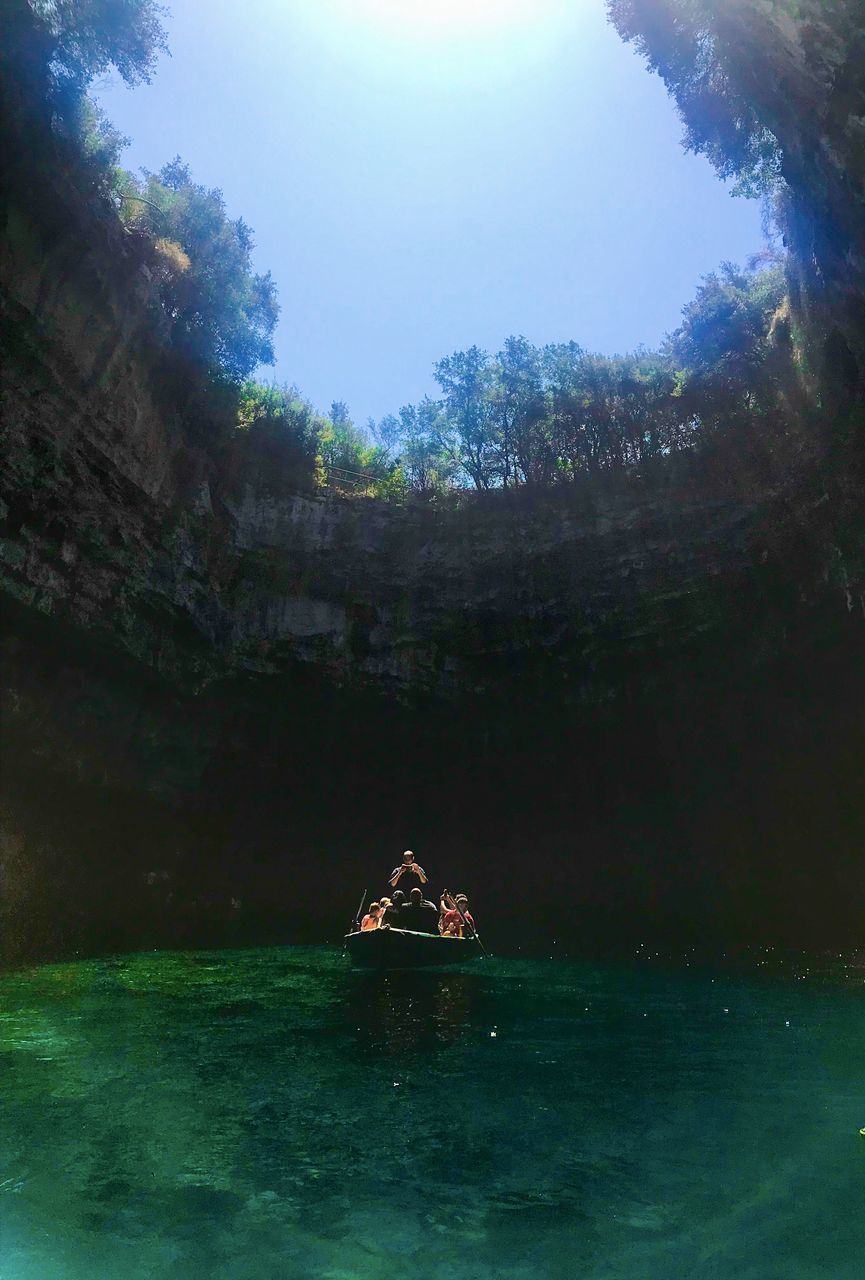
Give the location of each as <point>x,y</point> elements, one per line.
<point>404,949</point>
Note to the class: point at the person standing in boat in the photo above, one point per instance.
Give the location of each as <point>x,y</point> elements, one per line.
<point>408,865</point>
<point>455,916</point>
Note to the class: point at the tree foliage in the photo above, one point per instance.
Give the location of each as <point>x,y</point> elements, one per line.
<point>221,311</point>
<point>549,415</point>
<point>422,438</point>
<point>525,416</point>
<point>102,143</point>
<point>684,42</point>
<point>724,335</point>
<point>773,92</point>
<point>323,449</point>
<point>89,36</point>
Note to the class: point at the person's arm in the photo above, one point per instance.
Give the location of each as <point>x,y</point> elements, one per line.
<point>419,872</point>
<point>396,874</point>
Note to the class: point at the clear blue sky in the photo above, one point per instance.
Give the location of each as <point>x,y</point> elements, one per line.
<point>422,175</point>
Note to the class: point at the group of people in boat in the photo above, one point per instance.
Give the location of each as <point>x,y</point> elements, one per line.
<point>451,918</point>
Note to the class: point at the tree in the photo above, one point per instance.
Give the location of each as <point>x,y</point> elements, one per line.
<point>89,36</point>
<point>518,408</point>
<point>422,437</point>
<point>222,312</point>
<point>651,420</point>
<point>727,322</point>
<point>100,140</point>
<point>288,422</point>
<point>350,458</point>
<point>697,48</point>
<point>465,378</point>
<point>578,427</point>
<point>340,415</point>
<point>773,92</point>
<point>723,345</point>
<point>283,406</point>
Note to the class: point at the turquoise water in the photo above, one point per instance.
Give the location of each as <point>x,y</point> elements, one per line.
<point>269,1115</point>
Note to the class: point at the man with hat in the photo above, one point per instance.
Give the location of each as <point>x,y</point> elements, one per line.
<point>455,916</point>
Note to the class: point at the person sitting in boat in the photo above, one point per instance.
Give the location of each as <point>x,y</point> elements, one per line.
<point>455,915</point>
<point>409,865</point>
<point>418,914</point>
<point>393,908</point>
<point>372,919</point>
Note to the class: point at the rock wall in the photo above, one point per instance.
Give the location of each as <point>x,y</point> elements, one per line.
<point>200,563</point>
<point>639,707</point>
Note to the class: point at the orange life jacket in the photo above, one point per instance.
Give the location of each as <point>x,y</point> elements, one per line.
<point>453,917</point>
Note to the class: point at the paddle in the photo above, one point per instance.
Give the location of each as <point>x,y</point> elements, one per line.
<point>468,924</point>
<point>360,908</point>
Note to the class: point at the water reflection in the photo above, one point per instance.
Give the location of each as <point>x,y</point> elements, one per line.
<point>408,1011</point>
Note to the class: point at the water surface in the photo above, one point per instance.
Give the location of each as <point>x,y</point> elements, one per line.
<point>269,1115</point>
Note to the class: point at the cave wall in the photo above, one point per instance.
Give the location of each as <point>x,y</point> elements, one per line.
<point>228,703</point>
<point>801,68</point>
<point>200,561</point>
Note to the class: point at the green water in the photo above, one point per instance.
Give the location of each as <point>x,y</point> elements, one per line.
<point>269,1115</point>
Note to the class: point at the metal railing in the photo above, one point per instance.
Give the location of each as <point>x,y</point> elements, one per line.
<point>343,478</point>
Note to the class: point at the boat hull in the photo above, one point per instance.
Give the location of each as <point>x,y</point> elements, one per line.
<point>405,949</point>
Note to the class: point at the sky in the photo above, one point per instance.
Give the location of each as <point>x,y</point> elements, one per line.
<point>424,175</point>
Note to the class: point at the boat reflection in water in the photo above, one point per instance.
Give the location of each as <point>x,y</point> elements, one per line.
<point>408,1011</point>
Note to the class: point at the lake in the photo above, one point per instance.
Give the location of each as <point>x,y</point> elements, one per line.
<point>270,1115</point>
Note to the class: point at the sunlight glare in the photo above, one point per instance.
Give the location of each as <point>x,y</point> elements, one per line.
<point>447,19</point>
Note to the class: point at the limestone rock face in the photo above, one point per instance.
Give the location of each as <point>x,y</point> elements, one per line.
<point>184,545</point>
<point>200,564</point>
<point>642,702</point>
<point>802,68</point>
<point>198,572</point>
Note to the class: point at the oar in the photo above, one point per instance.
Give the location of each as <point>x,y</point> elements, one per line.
<point>474,932</point>
<point>360,908</point>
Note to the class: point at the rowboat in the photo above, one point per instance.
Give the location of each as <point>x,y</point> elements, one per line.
<point>404,949</point>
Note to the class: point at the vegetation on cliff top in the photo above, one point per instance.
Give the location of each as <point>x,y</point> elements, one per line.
<point>733,370</point>
<point>221,313</point>
<point>548,416</point>
<point>83,38</point>
<point>773,93</point>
